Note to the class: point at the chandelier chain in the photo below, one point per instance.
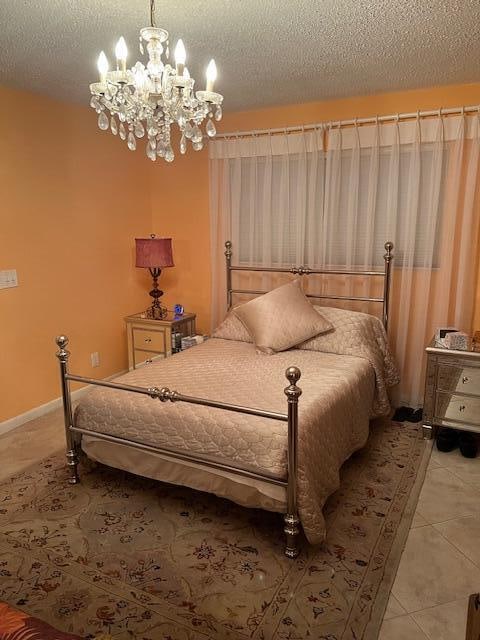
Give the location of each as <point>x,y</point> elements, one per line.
<point>152,13</point>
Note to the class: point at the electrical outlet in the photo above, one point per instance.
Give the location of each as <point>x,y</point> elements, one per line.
<point>95,359</point>
<point>8,279</point>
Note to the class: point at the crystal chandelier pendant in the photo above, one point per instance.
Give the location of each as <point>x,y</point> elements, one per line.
<point>131,142</point>
<point>148,99</point>
<point>103,121</point>
<point>151,153</point>
<point>183,145</point>
<point>139,130</point>
<point>210,129</point>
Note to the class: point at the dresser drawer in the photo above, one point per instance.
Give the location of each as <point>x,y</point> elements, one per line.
<point>459,379</point>
<point>144,357</point>
<point>458,408</point>
<point>148,339</point>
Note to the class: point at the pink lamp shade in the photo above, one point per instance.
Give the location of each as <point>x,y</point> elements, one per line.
<point>153,252</point>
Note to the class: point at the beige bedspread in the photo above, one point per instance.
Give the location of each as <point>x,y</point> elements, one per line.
<point>334,412</point>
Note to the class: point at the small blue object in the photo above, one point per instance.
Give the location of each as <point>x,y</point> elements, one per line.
<point>178,310</point>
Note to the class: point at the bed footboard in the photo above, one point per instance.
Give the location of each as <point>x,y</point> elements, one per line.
<point>292,391</point>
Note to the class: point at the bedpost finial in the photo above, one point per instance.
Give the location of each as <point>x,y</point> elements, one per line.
<point>61,341</point>
<point>292,391</point>
<point>388,248</point>
<point>228,249</point>
<point>293,374</point>
<point>62,354</point>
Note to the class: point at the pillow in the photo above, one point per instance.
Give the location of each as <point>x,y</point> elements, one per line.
<point>351,328</point>
<point>232,329</point>
<point>281,318</point>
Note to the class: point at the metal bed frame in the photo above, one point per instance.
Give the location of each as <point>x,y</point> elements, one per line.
<point>292,392</point>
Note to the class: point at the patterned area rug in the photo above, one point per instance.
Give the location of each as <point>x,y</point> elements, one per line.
<point>139,559</point>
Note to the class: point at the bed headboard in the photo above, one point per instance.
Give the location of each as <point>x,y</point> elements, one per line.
<point>302,271</point>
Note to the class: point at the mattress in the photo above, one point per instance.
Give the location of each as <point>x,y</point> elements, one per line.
<point>334,411</point>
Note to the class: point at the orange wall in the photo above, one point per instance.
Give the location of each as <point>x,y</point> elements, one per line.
<point>179,193</point>
<point>73,198</point>
<point>180,201</point>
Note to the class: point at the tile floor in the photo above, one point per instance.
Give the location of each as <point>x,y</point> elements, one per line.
<point>440,566</point>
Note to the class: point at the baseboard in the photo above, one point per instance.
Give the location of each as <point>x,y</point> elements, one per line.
<point>48,407</point>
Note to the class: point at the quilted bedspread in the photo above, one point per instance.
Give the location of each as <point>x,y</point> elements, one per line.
<point>334,410</point>
<point>361,335</point>
<point>354,334</point>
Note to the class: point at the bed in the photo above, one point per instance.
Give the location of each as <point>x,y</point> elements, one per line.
<point>238,427</point>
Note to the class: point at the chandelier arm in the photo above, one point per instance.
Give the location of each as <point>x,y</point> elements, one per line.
<point>152,13</point>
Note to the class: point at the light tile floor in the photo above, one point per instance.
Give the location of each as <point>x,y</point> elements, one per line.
<point>440,566</point>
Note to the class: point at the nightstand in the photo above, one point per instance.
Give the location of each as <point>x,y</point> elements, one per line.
<point>150,339</point>
<point>452,390</point>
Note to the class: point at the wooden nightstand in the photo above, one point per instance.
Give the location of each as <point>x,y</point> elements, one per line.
<point>452,390</point>
<point>150,339</point>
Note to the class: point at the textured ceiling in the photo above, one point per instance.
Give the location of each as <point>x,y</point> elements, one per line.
<point>267,51</point>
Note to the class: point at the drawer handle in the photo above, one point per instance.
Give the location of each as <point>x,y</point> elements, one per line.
<point>465,379</point>
<point>148,339</point>
<point>461,407</point>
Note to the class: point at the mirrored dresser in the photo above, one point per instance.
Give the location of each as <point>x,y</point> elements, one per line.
<point>452,390</point>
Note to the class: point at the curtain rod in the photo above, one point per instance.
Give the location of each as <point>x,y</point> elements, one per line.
<point>353,122</point>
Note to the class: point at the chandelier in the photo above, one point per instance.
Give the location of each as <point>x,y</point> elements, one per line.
<point>144,101</point>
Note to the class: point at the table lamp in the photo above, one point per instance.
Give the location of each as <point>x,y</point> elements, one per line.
<point>154,254</point>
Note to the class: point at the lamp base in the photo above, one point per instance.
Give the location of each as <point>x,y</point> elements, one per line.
<point>156,313</point>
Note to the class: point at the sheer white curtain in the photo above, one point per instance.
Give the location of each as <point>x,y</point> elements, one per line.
<point>286,199</point>
<point>265,196</point>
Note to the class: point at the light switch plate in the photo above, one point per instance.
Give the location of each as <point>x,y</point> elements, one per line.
<point>8,278</point>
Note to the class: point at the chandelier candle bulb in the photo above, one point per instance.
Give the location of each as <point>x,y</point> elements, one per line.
<point>211,75</point>
<point>121,53</point>
<point>102,66</point>
<point>180,57</point>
